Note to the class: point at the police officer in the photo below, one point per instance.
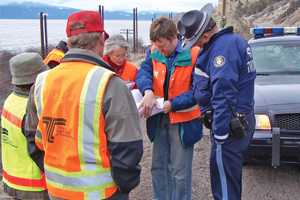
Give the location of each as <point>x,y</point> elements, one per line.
<point>224,65</point>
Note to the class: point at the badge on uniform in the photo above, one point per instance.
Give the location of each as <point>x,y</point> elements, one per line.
<point>219,61</point>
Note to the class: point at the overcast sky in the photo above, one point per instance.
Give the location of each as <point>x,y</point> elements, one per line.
<point>128,5</point>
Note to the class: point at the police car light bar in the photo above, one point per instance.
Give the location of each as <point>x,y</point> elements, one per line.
<point>290,30</point>
<point>275,30</point>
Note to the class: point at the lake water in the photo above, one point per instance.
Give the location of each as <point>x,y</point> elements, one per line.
<point>21,34</point>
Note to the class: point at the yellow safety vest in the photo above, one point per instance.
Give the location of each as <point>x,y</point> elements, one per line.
<point>19,170</point>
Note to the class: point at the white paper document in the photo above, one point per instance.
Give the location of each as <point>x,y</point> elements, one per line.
<point>130,84</point>
<point>138,98</point>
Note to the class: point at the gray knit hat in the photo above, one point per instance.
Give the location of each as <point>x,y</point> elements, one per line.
<point>25,67</point>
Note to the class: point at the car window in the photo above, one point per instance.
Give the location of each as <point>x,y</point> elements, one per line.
<point>276,57</point>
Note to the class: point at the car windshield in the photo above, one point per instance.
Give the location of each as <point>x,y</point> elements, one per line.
<point>276,57</point>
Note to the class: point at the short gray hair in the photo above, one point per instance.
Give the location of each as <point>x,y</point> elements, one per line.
<point>114,42</point>
<point>83,40</point>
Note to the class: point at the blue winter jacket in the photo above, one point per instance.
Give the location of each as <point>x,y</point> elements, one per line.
<point>224,64</point>
<point>191,131</point>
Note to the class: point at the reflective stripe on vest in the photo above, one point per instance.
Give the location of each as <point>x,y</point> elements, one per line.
<point>195,107</point>
<point>24,183</point>
<point>179,83</point>
<point>39,84</point>
<point>12,118</point>
<point>19,170</point>
<point>93,178</point>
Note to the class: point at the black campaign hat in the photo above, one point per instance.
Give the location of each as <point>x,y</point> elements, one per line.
<point>191,24</point>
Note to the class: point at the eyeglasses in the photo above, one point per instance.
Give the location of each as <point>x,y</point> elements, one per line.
<point>120,56</point>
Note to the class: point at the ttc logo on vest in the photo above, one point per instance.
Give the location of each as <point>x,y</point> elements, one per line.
<point>50,126</point>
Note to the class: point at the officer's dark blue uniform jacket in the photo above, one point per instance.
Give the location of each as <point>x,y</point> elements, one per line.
<point>227,68</point>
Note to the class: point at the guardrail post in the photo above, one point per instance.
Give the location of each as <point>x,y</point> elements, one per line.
<point>127,32</point>
<point>136,30</point>
<point>46,35</point>
<point>42,36</point>
<point>101,11</point>
<point>133,40</point>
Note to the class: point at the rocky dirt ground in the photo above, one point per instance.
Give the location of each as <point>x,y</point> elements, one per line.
<point>259,181</point>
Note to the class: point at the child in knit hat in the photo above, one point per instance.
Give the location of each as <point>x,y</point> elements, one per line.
<point>22,178</point>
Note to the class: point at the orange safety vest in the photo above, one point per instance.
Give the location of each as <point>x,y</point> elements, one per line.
<point>19,171</point>
<point>54,55</point>
<point>129,72</point>
<point>71,131</point>
<point>179,83</point>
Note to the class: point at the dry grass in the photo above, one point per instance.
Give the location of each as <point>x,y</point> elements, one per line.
<point>285,13</point>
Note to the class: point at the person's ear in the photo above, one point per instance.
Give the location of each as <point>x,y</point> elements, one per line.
<point>206,37</point>
<point>174,37</point>
<point>102,38</point>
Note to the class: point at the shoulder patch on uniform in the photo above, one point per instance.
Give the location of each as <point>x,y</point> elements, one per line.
<point>249,52</point>
<point>219,61</point>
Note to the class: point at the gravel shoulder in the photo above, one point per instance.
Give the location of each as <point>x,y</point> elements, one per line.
<point>260,181</point>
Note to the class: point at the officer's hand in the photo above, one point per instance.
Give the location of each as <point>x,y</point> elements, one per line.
<point>147,104</point>
<point>224,140</point>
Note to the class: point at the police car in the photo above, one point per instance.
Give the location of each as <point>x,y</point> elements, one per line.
<point>276,56</point>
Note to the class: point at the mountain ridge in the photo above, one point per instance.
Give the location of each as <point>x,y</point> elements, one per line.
<point>31,10</point>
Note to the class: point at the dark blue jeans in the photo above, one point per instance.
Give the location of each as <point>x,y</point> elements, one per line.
<point>171,168</point>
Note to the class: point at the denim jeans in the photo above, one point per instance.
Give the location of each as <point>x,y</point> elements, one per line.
<point>171,168</point>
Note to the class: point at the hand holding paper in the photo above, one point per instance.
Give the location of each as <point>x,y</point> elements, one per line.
<point>154,111</point>
<point>147,105</point>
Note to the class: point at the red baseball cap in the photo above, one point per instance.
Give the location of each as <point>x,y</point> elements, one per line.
<point>91,19</point>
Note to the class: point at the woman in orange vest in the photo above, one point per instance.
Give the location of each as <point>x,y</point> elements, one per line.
<point>22,177</point>
<point>115,52</point>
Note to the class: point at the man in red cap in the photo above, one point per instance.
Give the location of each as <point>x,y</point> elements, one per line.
<point>85,120</point>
